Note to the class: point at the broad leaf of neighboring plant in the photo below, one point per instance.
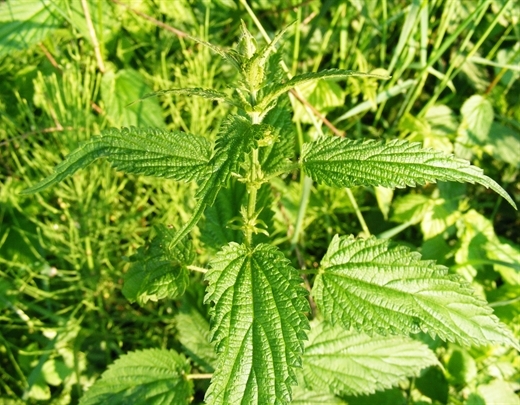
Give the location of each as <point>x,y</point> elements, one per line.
<point>480,246</point>
<point>25,23</point>
<point>307,397</point>
<point>352,363</point>
<point>477,113</point>
<point>375,288</point>
<point>340,162</point>
<point>152,376</point>
<point>152,152</point>
<point>159,271</point>
<point>194,336</point>
<point>258,325</point>
<point>120,88</point>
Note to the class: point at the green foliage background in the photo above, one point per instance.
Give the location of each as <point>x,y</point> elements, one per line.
<point>454,87</point>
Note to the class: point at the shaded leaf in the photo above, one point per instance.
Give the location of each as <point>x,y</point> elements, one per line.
<point>236,138</point>
<point>159,271</point>
<point>258,325</point>
<point>367,284</point>
<point>275,157</point>
<point>194,336</point>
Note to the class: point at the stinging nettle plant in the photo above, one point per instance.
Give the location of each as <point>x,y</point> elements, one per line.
<point>370,295</point>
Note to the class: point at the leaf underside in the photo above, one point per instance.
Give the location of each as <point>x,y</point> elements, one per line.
<point>148,151</point>
<point>351,363</point>
<point>340,162</point>
<point>152,377</point>
<point>366,284</point>
<point>258,325</point>
<point>159,271</point>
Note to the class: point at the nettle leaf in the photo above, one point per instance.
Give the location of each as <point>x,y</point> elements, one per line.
<point>194,335</point>
<point>258,325</point>
<point>149,151</point>
<point>340,162</point>
<point>223,218</point>
<point>217,230</point>
<point>375,288</point>
<point>274,158</point>
<point>351,363</point>
<point>236,137</point>
<point>208,94</point>
<point>274,91</point>
<point>152,376</point>
<point>160,270</point>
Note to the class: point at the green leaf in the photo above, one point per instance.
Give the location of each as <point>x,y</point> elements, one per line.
<point>152,377</point>
<point>209,94</point>
<point>479,246</point>
<point>274,158</point>
<point>307,397</point>
<point>258,325</point>
<point>353,363</point>
<point>503,144</point>
<point>236,138</point>
<point>118,90</point>
<point>217,230</point>
<point>340,162</point>
<point>477,113</point>
<point>159,271</point>
<point>254,68</point>
<point>25,23</point>
<point>272,92</point>
<point>499,392</point>
<point>194,336</point>
<point>433,384</point>
<point>322,95</point>
<point>412,208</point>
<point>226,55</point>
<point>367,284</point>
<point>462,368</point>
<point>152,152</point>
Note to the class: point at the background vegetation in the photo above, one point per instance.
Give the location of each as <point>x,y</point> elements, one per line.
<point>69,69</point>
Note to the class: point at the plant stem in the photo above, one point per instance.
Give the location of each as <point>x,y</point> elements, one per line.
<point>304,202</point>
<point>252,189</point>
<point>361,220</point>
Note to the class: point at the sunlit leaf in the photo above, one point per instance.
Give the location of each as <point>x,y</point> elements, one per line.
<point>351,363</point>
<point>376,288</point>
<point>340,162</point>
<point>258,325</point>
<point>152,376</point>
<point>148,151</point>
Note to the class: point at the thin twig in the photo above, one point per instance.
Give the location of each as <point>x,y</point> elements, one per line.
<point>39,131</point>
<point>331,126</point>
<point>167,27</point>
<point>50,57</point>
<point>93,36</point>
